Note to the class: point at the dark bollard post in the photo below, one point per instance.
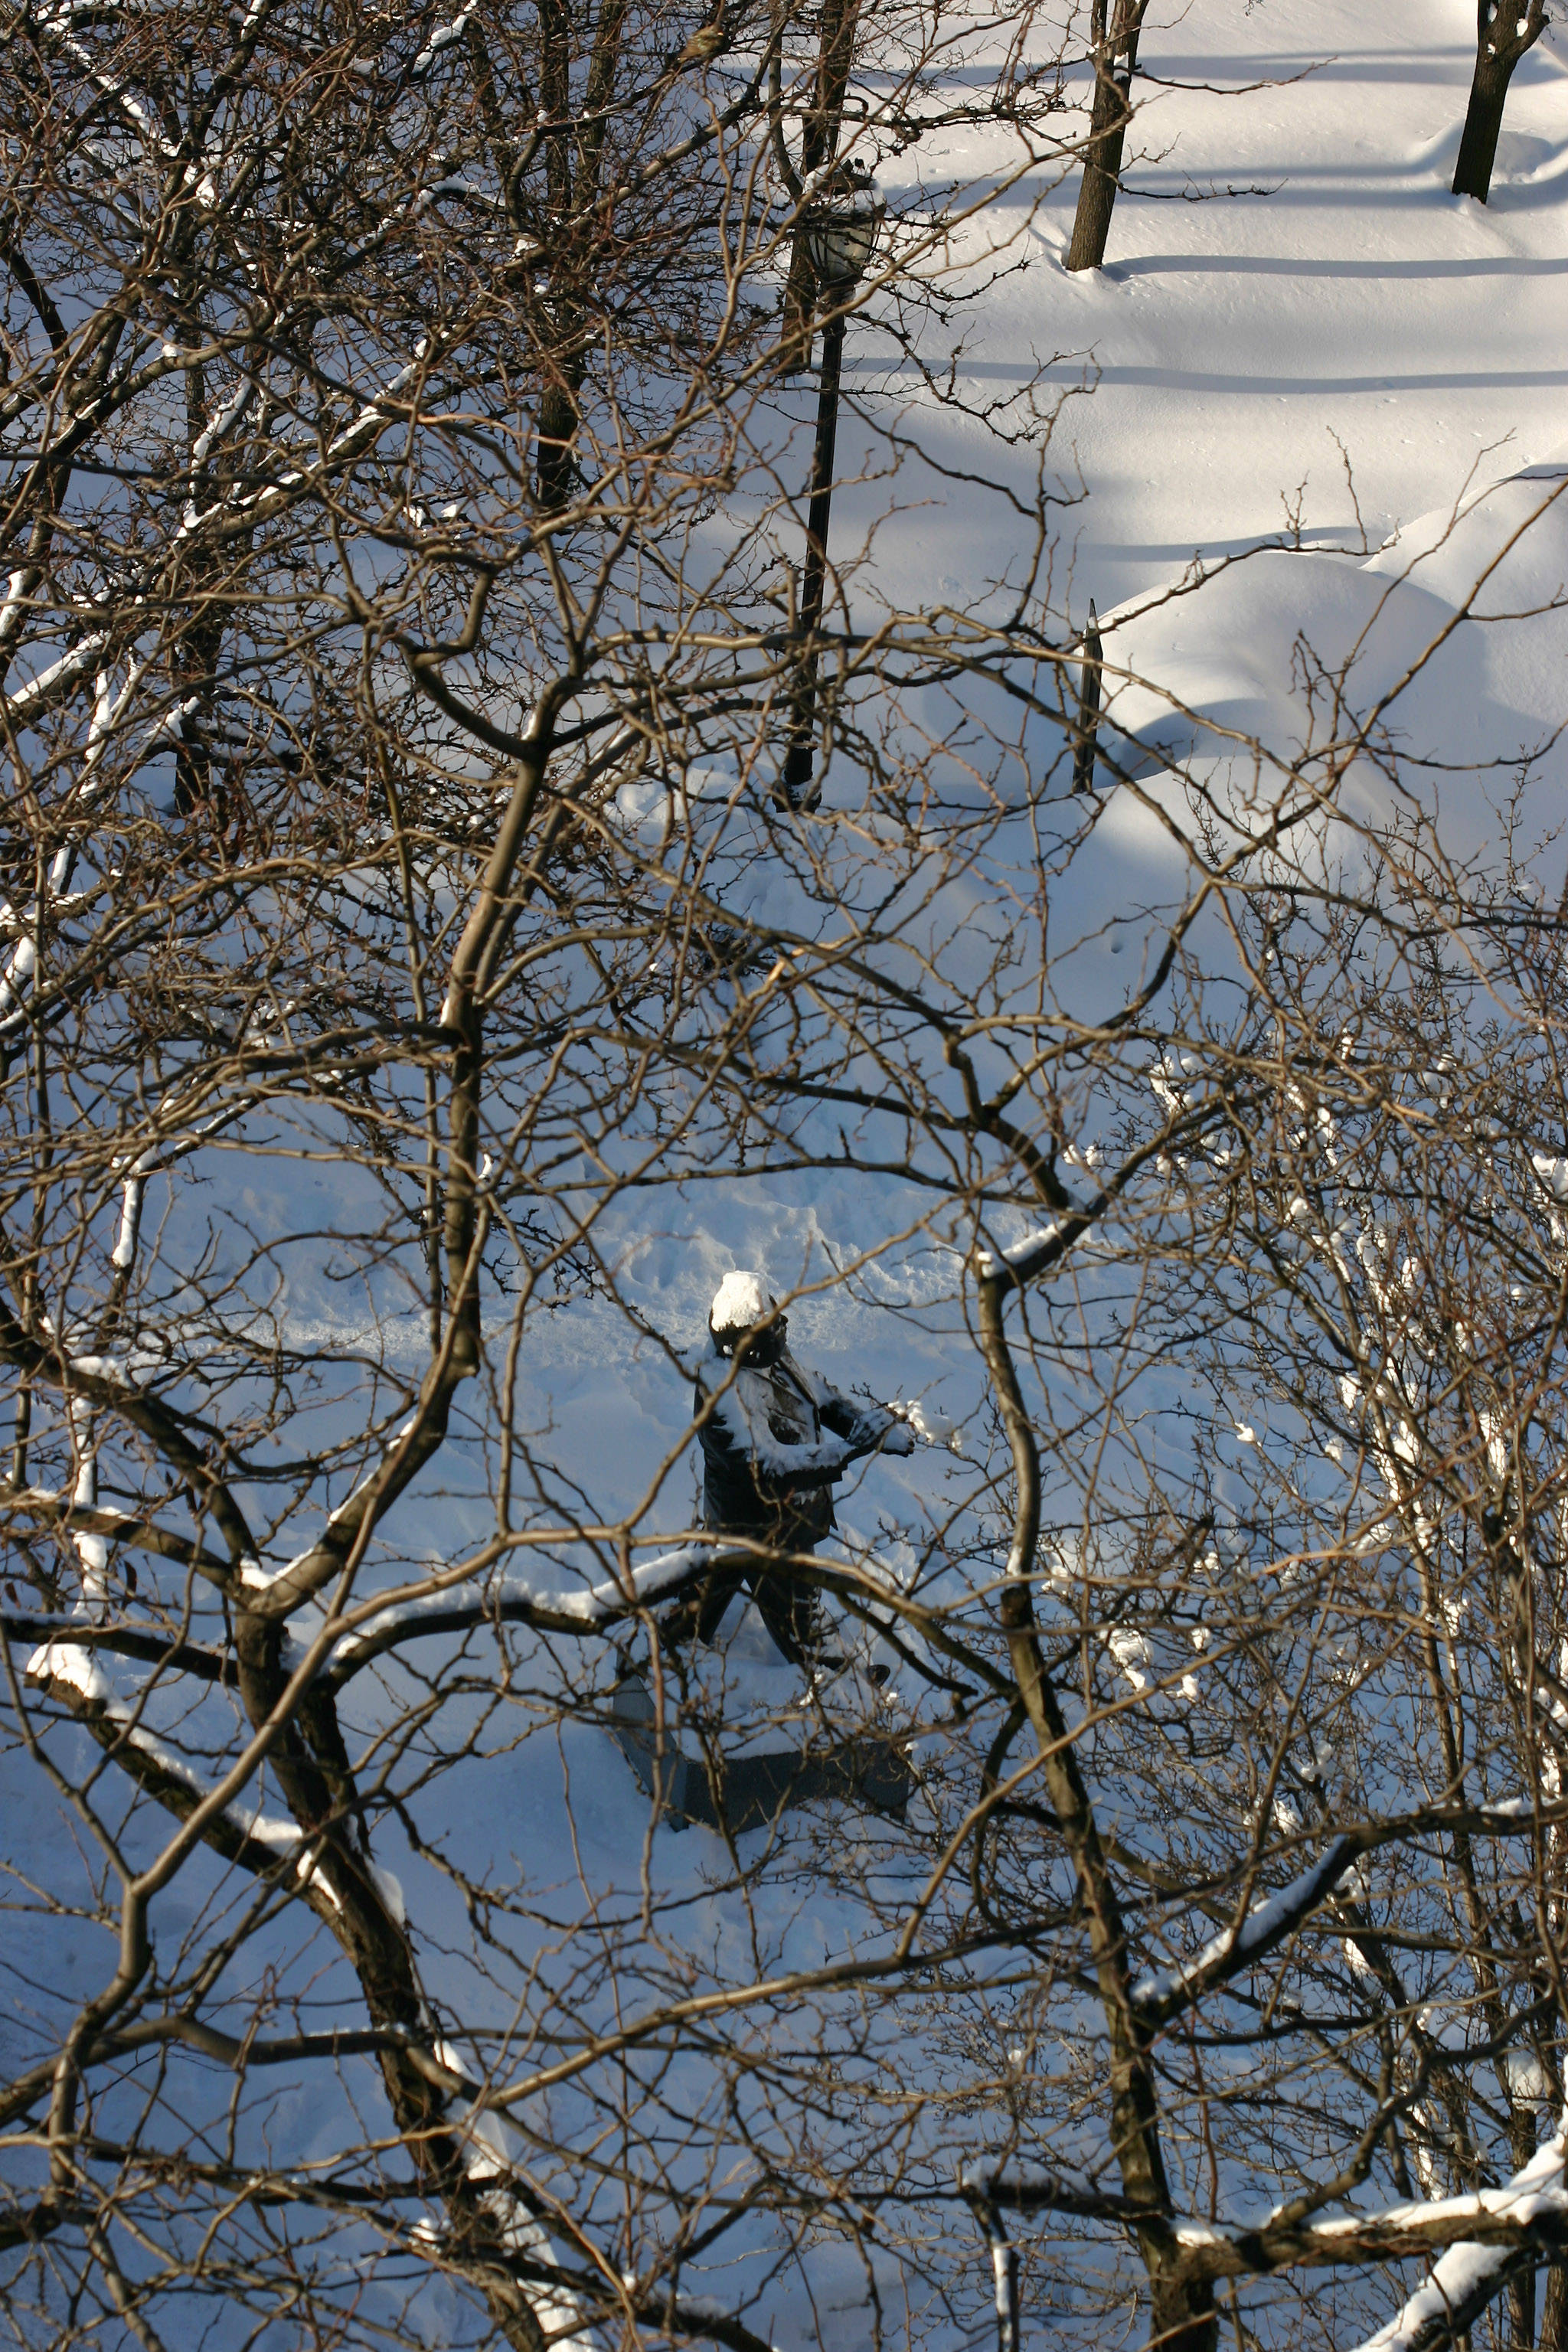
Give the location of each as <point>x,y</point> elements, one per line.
<point>1087,706</point>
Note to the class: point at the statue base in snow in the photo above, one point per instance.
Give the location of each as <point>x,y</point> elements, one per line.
<point>749,1791</point>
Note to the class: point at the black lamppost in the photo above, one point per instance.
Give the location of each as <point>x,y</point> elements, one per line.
<point>839,228</point>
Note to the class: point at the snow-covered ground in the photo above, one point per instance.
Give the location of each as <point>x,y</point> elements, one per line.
<point>1339,319</point>
<point>1340,356</point>
<point>1301,335</point>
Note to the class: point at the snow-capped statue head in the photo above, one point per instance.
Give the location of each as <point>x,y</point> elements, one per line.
<point>743,1302</point>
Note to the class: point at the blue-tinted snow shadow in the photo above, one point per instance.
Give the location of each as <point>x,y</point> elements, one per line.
<point>1326,538</point>
<point>1449,67</point>
<point>1420,180</point>
<point>1440,65</point>
<point>1290,191</point>
<point>1246,265</point>
<point>1072,371</point>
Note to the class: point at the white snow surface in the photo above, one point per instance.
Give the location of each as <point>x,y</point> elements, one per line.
<point>1343,291</point>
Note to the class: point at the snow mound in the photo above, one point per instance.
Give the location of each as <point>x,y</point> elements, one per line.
<point>1443,653</point>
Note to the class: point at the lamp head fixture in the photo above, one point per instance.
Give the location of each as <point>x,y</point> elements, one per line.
<point>840,227</point>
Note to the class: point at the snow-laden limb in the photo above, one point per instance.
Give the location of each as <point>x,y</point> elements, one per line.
<point>519,1600</point>
<point>132,1195</point>
<point>443,38</point>
<point>14,605</point>
<point>523,1600</point>
<point>48,1506</point>
<point>1267,1924</point>
<point>249,508</point>
<point>207,439</point>
<point>67,670</point>
<point>91,1549</point>
<point>67,1666</point>
<point>649,1582</point>
<point>1020,1253</point>
<point>492,2153</point>
<point>1470,2273</point>
<point>72,1676</point>
<point>1477,2238</point>
<point>108,707</point>
<point>489,2149</point>
<point>237,510</point>
<point>56,23</point>
<point>1028,2188</point>
<point>1004,2263</point>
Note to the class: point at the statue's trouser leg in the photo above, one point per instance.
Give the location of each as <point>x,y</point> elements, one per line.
<point>716,1596</point>
<point>792,1613</point>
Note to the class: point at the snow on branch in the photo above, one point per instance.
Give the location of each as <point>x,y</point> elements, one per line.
<point>494,2154</point>
<point>1535,2201</point>
<point>107,711</point>
<point>67,671</point>
<point>1021,1256</point>
<point>442,39</point>
<point>518,1599</point>
<point>246,508</point>
<point>1267,1924</point>
<point>259,1842</point>
<point>1004,2264</point>
<point>56,25</point>
<point>1478,2239</point>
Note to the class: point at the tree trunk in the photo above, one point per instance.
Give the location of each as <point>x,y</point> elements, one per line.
<point>1087,706</point>
<point>1101,170</point>
<point>1483,121</point>
<point>1521,2311</point>
<point>555,465</point>
<point>1181,2315</point>
<point>1554,2312</point>
<point>1501,39</point>
<point>1106,133</point>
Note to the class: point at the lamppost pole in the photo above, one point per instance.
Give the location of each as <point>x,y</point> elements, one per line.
<point>800,758</point>
<point>840,230</point>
